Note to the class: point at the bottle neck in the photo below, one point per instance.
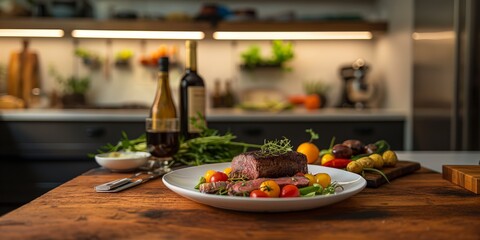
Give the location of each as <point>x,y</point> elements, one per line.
<point>191,58</point>
<point>163,82</point>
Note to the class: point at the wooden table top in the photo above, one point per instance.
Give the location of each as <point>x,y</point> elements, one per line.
<point>418,206</point>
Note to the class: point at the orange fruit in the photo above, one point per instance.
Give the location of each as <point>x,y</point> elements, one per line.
<point>310,150</point>
<point>312,102</point>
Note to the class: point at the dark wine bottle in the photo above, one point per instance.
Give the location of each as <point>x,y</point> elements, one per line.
<point>162,125</point>
<point>192,94</point>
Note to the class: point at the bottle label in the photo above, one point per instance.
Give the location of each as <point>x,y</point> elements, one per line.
<point>196,105</point>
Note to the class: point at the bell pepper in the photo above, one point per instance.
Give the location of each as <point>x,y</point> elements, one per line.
<point>337,163</point>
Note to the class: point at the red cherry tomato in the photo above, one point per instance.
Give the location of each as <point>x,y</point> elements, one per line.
<point>258,194</point>
<point>290,191</point>
<point>219,177</point>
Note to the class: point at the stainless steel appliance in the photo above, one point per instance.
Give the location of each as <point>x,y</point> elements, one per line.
<point>446,85</point>
<point>356,91</point>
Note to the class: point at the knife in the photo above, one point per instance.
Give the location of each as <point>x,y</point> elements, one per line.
<point>125,183</point>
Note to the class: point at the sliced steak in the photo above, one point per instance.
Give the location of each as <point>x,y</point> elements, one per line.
<point>243,188</point>
<point>252,165</point>
<point>212,187</point>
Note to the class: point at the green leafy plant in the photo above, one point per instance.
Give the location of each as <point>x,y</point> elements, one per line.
<point>316,87</point>
<point>89,58</point>
<point>72,84</point>
<point>282,52</point>
<point>251,57</point>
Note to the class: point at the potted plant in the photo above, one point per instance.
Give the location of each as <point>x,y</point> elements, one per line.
<point>73,89</point>
<point>282,52</point>
<point>318,88</point>
<point>123,57</point>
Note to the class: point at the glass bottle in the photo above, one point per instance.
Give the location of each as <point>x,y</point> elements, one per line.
<point>162,125</point>
<point>192,94</point>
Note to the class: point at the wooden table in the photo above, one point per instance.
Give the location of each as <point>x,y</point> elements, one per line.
<point>419,206</point>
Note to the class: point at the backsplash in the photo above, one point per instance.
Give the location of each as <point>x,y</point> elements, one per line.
<point>389,57</point>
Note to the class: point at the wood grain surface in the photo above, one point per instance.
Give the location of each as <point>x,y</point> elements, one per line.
<point>402,168</point>
<point>467,177</point>
<point>421,205</point>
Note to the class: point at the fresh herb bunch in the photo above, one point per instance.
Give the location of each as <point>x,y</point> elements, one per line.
<point>125,144</point>
<point>275,147</point>
<point>210,147</point>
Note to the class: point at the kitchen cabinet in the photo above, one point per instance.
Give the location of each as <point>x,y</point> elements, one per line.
<point>61,140</point>
<point>39,156</point>
<point>367,131</point>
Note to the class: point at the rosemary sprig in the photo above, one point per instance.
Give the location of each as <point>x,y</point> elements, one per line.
<point>275,147</point>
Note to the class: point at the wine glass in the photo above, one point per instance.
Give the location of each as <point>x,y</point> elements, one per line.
<point>162,141</point>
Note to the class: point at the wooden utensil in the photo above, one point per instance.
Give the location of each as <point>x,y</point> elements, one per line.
<point>23,73</point>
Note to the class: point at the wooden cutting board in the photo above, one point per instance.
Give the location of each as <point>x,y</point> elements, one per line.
<point>466,176</point>
<point>402,168</point>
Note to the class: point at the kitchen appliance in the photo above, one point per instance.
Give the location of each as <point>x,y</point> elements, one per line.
<point>446,75</point>
<point>356,92</point>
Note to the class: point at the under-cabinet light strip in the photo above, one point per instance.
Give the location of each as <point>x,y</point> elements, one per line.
<point>433,35</point>
<point>120,34</point>
<point>292,35</point>
<point>52,33</point>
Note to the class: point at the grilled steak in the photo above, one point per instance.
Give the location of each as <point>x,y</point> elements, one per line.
<point>243,188</point>
<point>251,165</point>
<point>212,187</point>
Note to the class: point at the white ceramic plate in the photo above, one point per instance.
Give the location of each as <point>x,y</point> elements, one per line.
<point>183,181</point>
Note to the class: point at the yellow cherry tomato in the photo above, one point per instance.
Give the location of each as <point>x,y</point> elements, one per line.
<point>323,179</point>
<point>310,150</point>
<point>271,188</point>
<point>208,175</point>
<point>227,171</point>
<point>327,158</point>
<point>311,179</point>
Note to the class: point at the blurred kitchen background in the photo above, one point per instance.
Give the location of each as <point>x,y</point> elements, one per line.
<point>413,80</point>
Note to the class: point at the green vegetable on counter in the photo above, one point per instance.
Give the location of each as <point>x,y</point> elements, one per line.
<point>210,147</point>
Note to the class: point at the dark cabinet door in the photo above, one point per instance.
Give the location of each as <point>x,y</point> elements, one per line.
<point>368,132</point>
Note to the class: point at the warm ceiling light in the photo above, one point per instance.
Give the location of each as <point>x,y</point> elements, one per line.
<point>31,33</point>
<point>138,34</point>
<point>292,35</point>
<point>433,35</point>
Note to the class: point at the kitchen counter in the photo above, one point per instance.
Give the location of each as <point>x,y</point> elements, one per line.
<point>421,205</point>
<point>435,159</point>
<point>137,115</point>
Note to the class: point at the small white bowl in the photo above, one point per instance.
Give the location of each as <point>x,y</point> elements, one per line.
<point>123,162</point>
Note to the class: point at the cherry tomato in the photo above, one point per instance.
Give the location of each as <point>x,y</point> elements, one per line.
<point>311,179</point>
<point>290,191</point>
<point>323,179</point>
<point>219,177</point>
<point>271,188</point>
<point>258,194</point>
<point>310,150</point>
<point>208,175</point>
